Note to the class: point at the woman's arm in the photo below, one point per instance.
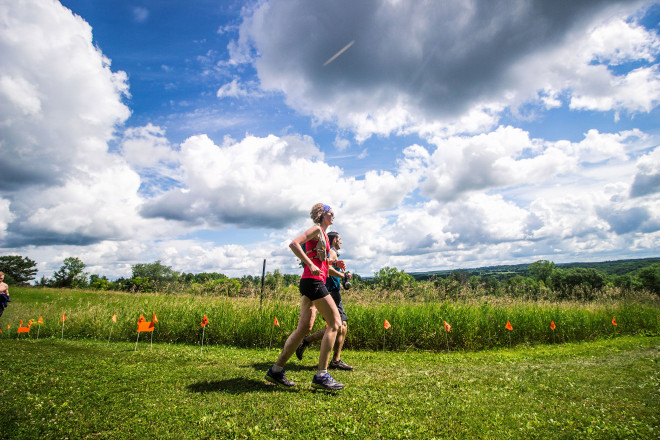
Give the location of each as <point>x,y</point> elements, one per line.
<point>296,247</point>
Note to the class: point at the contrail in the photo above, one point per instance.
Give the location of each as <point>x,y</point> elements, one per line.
<point>339,53</point>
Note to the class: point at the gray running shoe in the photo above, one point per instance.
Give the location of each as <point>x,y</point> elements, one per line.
<point>301,349</point>
<point>326,382</point>
<point>279,378</point>
<point>339,365</point>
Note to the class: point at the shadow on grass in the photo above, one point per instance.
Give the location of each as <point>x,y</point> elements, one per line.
<point>290,366</point>
<point>241,385</point>
<point>238,385</point>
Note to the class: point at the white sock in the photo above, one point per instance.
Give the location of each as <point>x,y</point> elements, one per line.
<point>321,373</point>
<point>276,368</point>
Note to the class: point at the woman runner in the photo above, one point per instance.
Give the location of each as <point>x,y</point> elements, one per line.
<point>314,296</point>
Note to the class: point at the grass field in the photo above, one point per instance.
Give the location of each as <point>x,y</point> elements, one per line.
<point>244,322</point>
<point>89,389</point>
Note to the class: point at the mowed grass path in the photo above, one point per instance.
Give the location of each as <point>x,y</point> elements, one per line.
<point>606,389</point>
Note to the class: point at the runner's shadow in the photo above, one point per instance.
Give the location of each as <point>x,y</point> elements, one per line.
<point>290,366</point>
<point>238,385</point>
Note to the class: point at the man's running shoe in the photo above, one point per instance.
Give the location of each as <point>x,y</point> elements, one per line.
<point>340,365</point>
<point>326,382</point>
<point>279,378</point>
<point>301,349</point>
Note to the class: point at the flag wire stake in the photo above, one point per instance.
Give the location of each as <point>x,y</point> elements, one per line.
<point>202,350</point>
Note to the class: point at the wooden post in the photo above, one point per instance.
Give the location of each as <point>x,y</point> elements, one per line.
<point>263,276</point>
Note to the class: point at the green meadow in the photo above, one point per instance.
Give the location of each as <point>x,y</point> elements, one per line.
<point>91,389</point>
<point>90,378</point>
<point>476,324</point>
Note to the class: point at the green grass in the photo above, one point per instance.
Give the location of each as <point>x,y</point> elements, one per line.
<point>86,389</point>
<point>243,322</point>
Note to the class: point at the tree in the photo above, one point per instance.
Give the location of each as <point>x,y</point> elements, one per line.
<point>577,281</point>
<point>650,278</point>
<point>459,275</point>
<point>18,269</point>
<point>99,282</point>
<point>393,279</point>
<point>155,272</point>
<point>541,270</point>
<point>71,274</point>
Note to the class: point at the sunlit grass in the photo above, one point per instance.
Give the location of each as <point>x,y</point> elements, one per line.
<point>246,322</point>
<point>94,389</point>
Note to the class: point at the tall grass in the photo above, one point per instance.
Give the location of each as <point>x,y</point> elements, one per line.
<point>476,322</point>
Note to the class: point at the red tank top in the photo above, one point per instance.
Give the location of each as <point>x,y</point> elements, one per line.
<point>323,265</point>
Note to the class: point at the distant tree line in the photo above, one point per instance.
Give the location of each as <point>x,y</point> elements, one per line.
<point>568,281</point>
<point>145,277</point>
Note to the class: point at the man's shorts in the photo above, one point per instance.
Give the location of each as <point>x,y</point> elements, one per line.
<point>313,288</point>
<point>340,305</point>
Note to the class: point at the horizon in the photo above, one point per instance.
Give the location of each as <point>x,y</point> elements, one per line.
<point>412,273</point>
<point>200,135</point>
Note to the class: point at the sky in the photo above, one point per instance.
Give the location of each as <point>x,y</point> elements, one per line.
<point>445,135</point>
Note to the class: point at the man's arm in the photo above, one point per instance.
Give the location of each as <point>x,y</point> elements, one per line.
<point>333,259</point>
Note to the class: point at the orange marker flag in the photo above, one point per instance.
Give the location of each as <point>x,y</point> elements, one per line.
<point>552,325</point>
<point>154,318</point>
<point>114,318</point>
<point>386,324</point>
<point>508,326</point>
<point>21,324</point>
<point>24,329</point>
<point>205,321</point>
<point>8,326</point>
<point>447,326</point>
<point>275,322</point>
<point>614,322</point>
<point>63,319</point>
<point>144,326</point>
<point>41,320</point>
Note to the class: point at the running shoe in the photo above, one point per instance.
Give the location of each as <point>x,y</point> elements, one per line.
<point>279,378</point>
<point>301,349</point>
<point>326,382</point>
<point>339,365</point>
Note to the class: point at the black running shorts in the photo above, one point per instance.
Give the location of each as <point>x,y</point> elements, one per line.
<point>313,289</point>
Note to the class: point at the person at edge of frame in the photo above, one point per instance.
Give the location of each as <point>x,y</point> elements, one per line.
<point>333,284</point>
<point>4,293</point>
<point>314,296</point>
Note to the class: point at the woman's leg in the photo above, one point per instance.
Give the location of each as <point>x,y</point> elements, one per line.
<point>305,324</point>
<point>328,309</point>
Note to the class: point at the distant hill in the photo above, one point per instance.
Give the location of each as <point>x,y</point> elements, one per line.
<point>618,267</point>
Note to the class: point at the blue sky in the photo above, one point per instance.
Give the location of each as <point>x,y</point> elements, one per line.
<point>446,135</point>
